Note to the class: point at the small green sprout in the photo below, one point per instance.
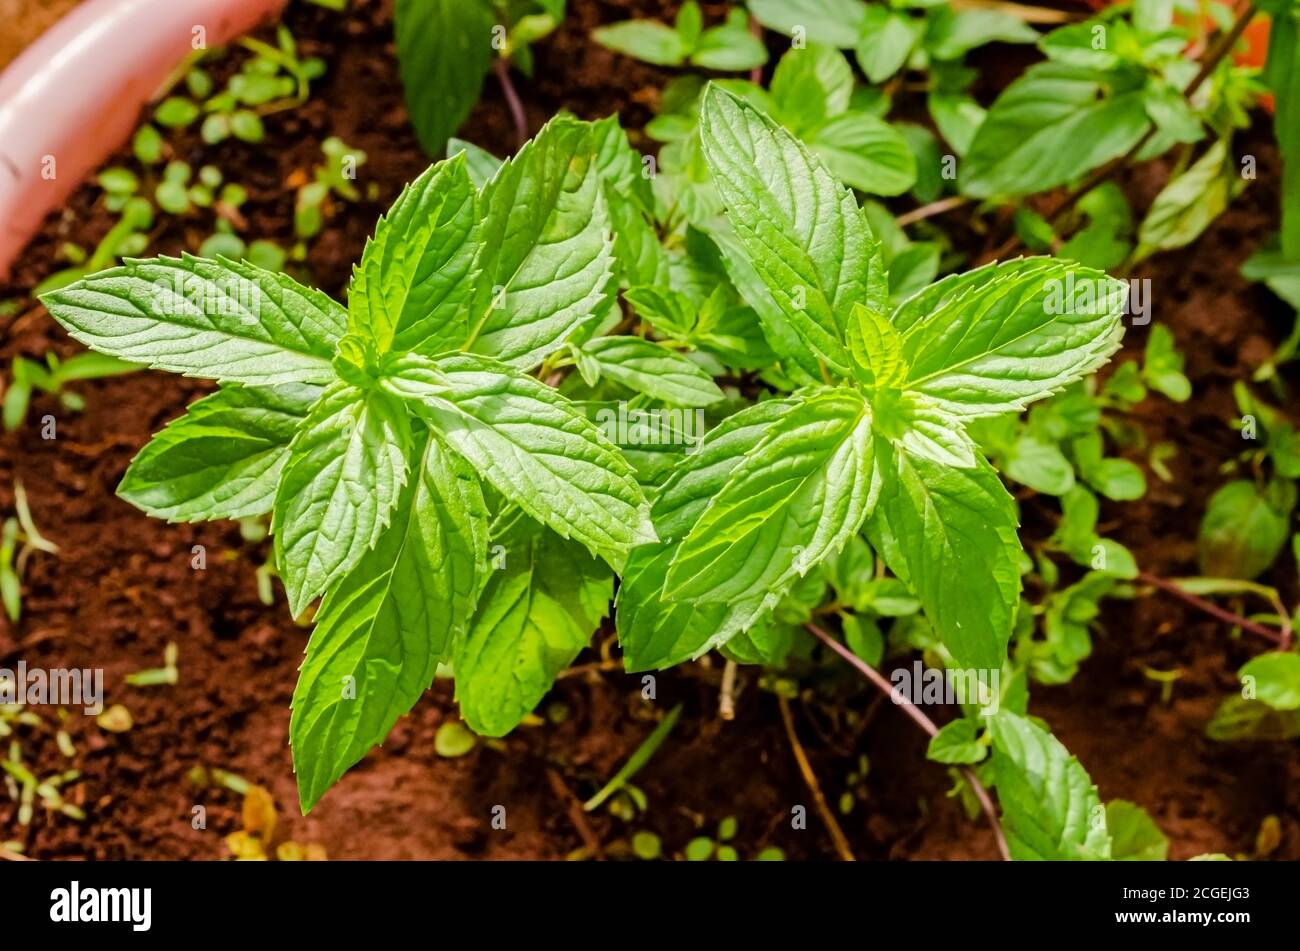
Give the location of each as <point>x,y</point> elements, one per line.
<point>640,756</point>
<point>18,538</point>
<point>166,674</point>
<point>453,739</point>
<point>51,378</point>
<point>334,177</point>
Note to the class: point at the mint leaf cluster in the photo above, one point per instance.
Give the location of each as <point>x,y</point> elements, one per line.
<point>875,437</point>
<point>384,437</point>
<point>437,477</point>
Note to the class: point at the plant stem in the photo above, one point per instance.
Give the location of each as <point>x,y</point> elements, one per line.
<point>932,209</point>
<point>502,69</point>
<point>810,779</point>
<point>1245,13</point>
<point>756,28</point>
<point>921,720</point>
<point>727,692</point>
<point>576,815</point>
<point>596,666</point>
<point>1236,620</point>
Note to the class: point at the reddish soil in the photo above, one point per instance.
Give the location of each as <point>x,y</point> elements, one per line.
<point>123,585</point>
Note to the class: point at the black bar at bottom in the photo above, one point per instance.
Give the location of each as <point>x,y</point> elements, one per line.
<point>905,900</point>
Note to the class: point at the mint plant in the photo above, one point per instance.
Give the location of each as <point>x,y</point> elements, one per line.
<point>1110,84</point>
<point>875,435</point>
<point>391,439</point>
<point>450,506</point>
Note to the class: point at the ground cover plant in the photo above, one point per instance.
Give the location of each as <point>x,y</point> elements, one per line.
<point>790,384</point>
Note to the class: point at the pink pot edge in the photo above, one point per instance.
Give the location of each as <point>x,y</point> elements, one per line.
<point>75,95</point>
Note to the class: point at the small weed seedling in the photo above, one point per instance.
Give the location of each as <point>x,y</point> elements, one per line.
<point>274,79</point>
<point>19,537</point>
<point>335,177</point>
<point>727,47</point>
<point>52,377</point>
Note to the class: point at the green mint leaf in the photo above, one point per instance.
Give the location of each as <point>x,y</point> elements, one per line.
<point>640,254</point>
<point>706,471</point>
<point>346,470</point>
<point>546,258</point>
<point>1188,204</point>
<point>798,361</point>
<point>1244,528</point>
<point>444,49</point>
<point>689,24</point>
<point>1104,242</point>
<point>655,632</point>
<point>957,117</point>
<point>532,445</point>
<point>1076,45</point>
<point>767,643</point>
<point>480,164</point>
<point>383,629</point>
<point>924,429</point>
<point>646,40</point>
<point>630,199</point>
<point>1134,835</point>
<point>668,310</point>
<point>1116,479</point>
<point>950,535</point>
<point>730,47</point>
<point>621,167</point>
<point>223,458</point>
<point>1050,808</point>
<point>652,369</point>
<point>956,744</point>
<point>1040,465</point>
<point>802,231</point>
<point>886,41</point>
<point>1274,679</point>
<point>866,153</point>
<point>1047,128</point>
<point>537,611</point>
<point>217,319</point>
<point>876,348</point>
<point>793,501</point>
<point>997,338</point>
<point>1162,365</point>
<point>863,636</point>
<point>1175,120</point>
<point>953,33</point>
<point>1240,719</point>
<point>834,22</point>
<point>412,288</point>
<point>810,86</point>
